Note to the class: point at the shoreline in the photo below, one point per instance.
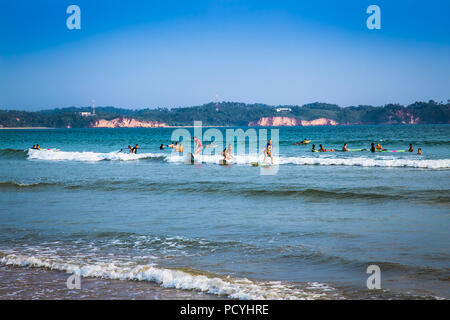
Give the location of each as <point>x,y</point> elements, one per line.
<point>25,128</point>
<point>209,126</point>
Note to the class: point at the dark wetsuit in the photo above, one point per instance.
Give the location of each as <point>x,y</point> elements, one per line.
<point>134,150</point>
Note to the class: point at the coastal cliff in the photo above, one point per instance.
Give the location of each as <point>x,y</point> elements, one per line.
<point>123,122</point>
<point>290,122</point>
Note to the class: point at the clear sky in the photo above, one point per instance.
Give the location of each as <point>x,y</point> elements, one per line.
<point>167,53</point>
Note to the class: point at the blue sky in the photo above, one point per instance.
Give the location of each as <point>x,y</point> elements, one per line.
<point>167,53</point>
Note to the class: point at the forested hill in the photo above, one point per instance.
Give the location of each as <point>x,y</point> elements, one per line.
<point>234,114</point>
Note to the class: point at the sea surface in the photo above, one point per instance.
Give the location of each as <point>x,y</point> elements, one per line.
<point>151,226</point>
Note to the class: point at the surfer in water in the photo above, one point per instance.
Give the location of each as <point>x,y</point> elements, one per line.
<point>419,151</point>
<point>344,148</point>
<point>228,152</point>
<point>411,149</point>
<point>379,147</point>
<point>313,148</point>
<point>198,145</point>
<point>134,149</point>
<point>322,149</point>
<point>372,147</point>
<point>225,154</point>
<point>268,151</point>
<point>305,141</point>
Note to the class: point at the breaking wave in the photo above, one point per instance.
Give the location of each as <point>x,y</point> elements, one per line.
<point>184,279</point>
<point>88,156</point>
<point>318,160</point>
<point>361,161</point>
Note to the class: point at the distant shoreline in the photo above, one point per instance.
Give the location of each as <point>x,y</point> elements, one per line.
<point>209,126</point>
<point>25,128</point>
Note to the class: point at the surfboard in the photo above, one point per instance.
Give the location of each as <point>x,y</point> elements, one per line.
<point>352,150</point>
<point>257,164</point>
<point>302,142</point>
<point>49,149</point>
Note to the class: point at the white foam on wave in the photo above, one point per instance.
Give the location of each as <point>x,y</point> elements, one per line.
<point>326,161</point>
<point>88,156</point>
<point>169,278</point>
<point>368,162</point>
<point>379,161</point>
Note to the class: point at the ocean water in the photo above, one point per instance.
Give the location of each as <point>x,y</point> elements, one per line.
<point>149,226</point>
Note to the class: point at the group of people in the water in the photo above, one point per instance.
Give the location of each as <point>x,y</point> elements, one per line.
<point>373,148</point>
<point>227,153</point>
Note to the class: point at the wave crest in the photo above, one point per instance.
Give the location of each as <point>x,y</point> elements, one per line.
<point>234,288</point>
<point>88,156</point>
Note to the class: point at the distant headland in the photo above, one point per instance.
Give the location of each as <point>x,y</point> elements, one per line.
<point>230,114</point>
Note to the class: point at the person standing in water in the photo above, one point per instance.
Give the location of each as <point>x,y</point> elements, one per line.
<point>313,148</point>
<point>419,151</point>
<point>224,154</point>
<point>268,151</point>
<point>134,149</point>
<point>344,148</point>
<point>411,149</point>
<point>372,147</point>
<point>198,145</point>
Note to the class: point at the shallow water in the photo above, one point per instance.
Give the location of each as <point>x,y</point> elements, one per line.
<point>307,232</point>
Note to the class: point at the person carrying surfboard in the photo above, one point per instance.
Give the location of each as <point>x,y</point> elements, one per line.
<point>268,151</point>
